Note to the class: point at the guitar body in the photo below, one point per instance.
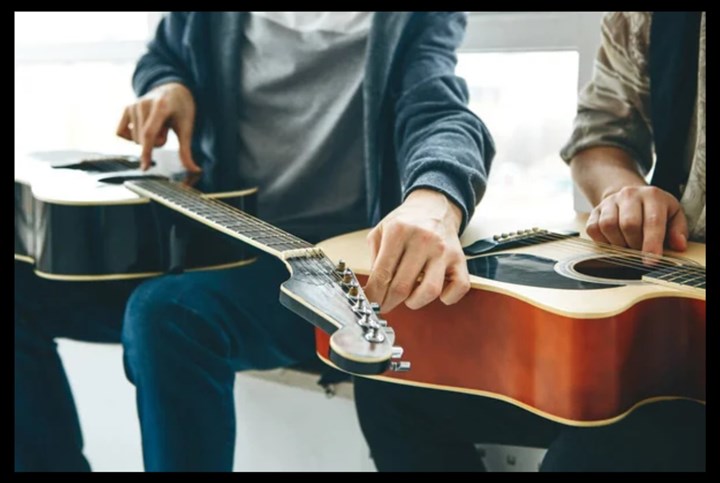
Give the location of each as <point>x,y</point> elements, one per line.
<point>552,329</point>
<point>72,226</point>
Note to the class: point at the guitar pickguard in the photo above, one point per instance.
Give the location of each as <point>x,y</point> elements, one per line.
<point>526,269</point>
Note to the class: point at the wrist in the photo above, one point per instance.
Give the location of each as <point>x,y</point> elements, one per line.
<point>445,208</point>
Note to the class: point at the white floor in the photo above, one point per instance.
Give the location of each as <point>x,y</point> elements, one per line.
<point>280,428</point>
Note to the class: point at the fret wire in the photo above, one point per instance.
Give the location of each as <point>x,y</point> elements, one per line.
<point>213,210</point>
<point>695,280</point>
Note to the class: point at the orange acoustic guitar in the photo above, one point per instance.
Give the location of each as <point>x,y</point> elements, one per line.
<point>575,331</point>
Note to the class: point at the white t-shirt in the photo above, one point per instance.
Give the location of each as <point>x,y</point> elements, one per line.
<point>301,119</point>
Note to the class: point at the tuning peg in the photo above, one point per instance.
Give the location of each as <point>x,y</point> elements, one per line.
<point>397,352</point>
<point>364,320</point>
<point>402,366</point>
<point>374,335</point>
<point>375,306</point>
<point>353,290</point>
<point>347,277</point>
<point>341,266</point>
<point>360,307</point>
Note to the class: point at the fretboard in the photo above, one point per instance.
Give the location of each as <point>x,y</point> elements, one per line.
<point>221,216</point>
<point>684,277</point>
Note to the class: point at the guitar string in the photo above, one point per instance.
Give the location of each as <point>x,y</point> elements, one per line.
<point>580,244</point>
<point>286,237</point>
<point>325,273</point>
<point>629,256</point>
<point>265,228</point>
<point>174,195</point>
<point>630,252</point>
<point>286,240</point>
<point>623,257</point>
<point>679,271</point>
<point>257,223</point>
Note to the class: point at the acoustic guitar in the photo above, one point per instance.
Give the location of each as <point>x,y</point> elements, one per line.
<point>81,216</point>
<point>74,221</point>
<point>572,330</point>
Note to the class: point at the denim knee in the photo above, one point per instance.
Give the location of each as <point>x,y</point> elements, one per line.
<point>161,317</point>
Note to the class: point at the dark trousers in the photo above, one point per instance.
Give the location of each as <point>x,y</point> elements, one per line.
<point>47,430</point>
<point>184,338</point>
<point>416,429</point>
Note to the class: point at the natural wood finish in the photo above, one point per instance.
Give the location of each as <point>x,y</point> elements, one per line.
<point>578,357</point>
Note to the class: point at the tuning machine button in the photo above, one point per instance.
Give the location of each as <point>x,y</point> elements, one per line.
<point>364,320</point>
<point>402,366</point>
<point>341,266</point>
<point>396,352</point>
<point>375,306</point>
<point>353,291</point>
<point>374,335</point>
<point>347,277</point>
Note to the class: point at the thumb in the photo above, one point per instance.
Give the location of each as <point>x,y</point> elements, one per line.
<point>183,130</point>
<point>677,232</point>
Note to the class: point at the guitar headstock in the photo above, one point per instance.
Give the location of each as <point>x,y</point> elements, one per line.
<point>331,297</point>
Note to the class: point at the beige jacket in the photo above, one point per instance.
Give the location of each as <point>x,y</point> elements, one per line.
<point>614,108</point>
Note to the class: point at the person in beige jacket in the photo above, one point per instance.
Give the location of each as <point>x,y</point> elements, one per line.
<point>634,118</point>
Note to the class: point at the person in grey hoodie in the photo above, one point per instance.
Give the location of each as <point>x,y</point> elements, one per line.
<point>343,120</point>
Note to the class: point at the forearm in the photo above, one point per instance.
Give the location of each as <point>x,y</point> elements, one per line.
<point>441,144</point>
<point>603,170</point>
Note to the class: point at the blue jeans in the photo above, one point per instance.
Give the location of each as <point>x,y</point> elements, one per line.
<point>47,430</point>
<point>185,336</point>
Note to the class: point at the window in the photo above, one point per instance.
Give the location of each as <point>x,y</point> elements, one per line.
<point>73,72</point>
<point>523,71</point>
<point>72,77</point>
<point>527,100</point>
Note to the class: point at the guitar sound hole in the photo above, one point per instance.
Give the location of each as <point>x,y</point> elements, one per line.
<point>614,268</point>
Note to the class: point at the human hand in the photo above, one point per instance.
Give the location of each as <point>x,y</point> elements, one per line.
<point>639,217</point>
<point>418,240</point>
<point>148,119</point>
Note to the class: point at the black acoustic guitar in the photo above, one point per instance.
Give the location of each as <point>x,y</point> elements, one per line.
<point>101,218</point>
<point>74,221</point>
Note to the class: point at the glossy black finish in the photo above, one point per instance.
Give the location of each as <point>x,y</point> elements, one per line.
<point>125,239</point>
<point>525,269</point>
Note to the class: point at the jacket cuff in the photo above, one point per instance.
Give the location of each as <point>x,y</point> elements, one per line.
<point>147,80</point>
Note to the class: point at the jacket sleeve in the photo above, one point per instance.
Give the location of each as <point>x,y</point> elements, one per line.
<point>614,107</point>
<point>165,60</point>
<point>440,144</point>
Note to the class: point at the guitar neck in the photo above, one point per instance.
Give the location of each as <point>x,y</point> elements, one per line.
<point>222,217</point>
<point>689,278</point>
